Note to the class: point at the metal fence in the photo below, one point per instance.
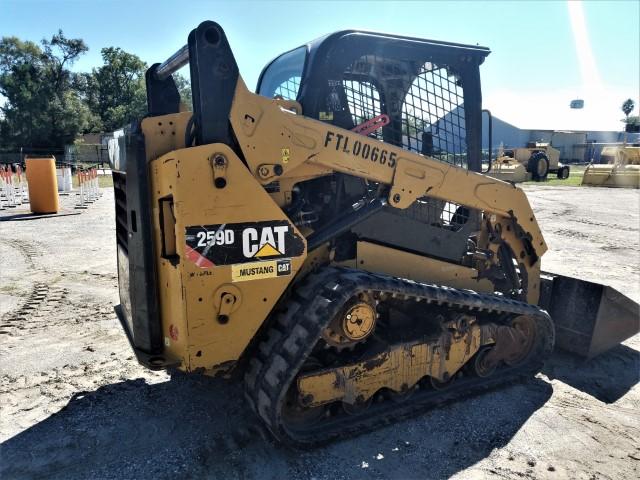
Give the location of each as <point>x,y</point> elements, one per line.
<point>86,154</point>
<point>72,155</point>
<point>17,155</point>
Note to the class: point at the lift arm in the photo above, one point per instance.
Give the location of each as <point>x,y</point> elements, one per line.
<point>276,142</point>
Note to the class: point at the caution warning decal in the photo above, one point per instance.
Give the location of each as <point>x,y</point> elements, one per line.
<point>233,243</point>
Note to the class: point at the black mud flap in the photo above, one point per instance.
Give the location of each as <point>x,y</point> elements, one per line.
<point>590,318</point>
<point>152,362</point>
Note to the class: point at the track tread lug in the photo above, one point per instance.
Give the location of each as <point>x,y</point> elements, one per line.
<point>275,370</point>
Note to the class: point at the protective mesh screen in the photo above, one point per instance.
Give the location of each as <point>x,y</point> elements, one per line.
<point>437,212</point>
<point>288,90</point>
<point>364,102</point>
<point>425,105</point>
<point>433,116</point>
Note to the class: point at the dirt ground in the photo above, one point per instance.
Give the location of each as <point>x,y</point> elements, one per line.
<point>75,404</point>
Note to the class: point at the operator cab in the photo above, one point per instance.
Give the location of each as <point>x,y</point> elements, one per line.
<point>420,95</point>
<point>424,95</point>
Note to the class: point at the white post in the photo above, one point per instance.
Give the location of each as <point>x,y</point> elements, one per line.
<point>94,184</point>
<point>97,183</point>
<point>17,188</point>
<point>2,189</point>
<point>11,193</point>
<point>92,194</point>
<point>24,191</point>
<point>81,193</point>
<point>85,188</point>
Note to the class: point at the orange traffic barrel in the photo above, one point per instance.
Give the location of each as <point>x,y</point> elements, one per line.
<point>43,184</point>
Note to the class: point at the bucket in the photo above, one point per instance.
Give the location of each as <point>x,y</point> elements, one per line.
<point>43,184</point>
<point>63,175</point>
<point>590,318</point>
<point>611,175</point>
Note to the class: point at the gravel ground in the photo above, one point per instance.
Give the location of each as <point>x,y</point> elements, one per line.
<point>75,404</point>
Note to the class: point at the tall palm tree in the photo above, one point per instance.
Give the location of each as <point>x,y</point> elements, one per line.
<point>627,107</point>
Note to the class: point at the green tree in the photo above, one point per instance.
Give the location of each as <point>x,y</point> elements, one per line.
<point>69,114</point>
<point>42,107</point>
<point>47,105</point>
<point>115,91</point>
<point>184,88</point>
<point>14,51</point>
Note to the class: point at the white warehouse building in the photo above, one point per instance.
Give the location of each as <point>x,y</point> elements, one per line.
<point>574,146</point>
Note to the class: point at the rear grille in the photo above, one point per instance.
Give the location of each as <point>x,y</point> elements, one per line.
<point>120,193</point>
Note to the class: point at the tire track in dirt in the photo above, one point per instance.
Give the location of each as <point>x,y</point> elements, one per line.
<point>30,250</point>
<point>37,308</point>
<point>114,388</point>
<point>613,226</point>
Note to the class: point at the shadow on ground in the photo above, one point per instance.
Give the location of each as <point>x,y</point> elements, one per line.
<point>196,427</point>
<point>34,216</point>
<point>606,377</point>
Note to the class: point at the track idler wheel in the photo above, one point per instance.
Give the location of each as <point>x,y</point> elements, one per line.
<point>480,366</point>
<point>514,344</point>
<point>524,329</point>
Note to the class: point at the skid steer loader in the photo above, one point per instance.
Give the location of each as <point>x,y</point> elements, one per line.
<point>330,237</point>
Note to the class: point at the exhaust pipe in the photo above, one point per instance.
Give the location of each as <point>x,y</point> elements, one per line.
<point>590,318</point>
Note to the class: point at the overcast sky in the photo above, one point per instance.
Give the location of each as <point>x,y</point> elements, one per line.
<point>544,54</point>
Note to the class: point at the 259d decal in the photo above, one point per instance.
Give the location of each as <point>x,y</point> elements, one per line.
<point>231,243</point>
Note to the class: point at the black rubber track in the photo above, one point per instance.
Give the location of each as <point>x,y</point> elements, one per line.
<point>318,298</point>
